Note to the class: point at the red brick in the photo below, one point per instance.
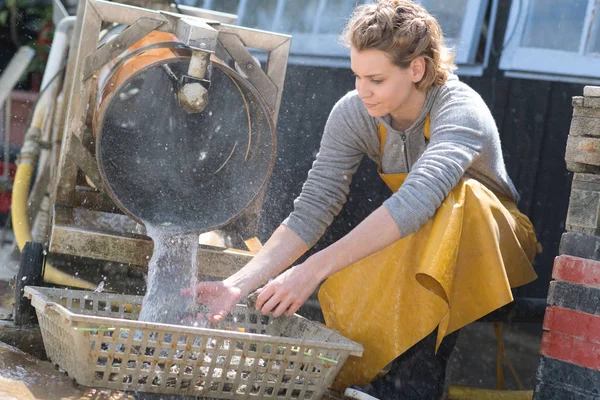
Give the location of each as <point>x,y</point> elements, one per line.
<point>571,349</point>
<point>577,270</point>
<point>573,323</point>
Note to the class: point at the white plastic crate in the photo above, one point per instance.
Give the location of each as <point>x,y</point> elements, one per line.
<point>96,339</point>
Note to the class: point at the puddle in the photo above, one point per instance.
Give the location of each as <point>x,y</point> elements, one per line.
<point>24,377</point>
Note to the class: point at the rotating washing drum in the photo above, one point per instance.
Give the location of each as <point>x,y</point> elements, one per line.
<point>184,172</point>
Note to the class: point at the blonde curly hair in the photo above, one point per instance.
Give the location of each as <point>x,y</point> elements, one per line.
<point>404,30</point>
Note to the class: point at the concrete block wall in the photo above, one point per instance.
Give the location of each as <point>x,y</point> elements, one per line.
<point>569,366</point>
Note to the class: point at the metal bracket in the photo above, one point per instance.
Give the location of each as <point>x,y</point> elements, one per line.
<point>236,49</point>
<point>86,161</point>
<point>197,34</point>
<point>119,44</point>
<point>218,16</point>
<point>277,47</point>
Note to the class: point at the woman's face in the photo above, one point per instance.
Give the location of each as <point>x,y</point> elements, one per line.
<point>383,87</point>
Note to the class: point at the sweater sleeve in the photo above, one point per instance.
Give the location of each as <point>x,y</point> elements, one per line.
<point>326,189</point>
<point>458,131</point>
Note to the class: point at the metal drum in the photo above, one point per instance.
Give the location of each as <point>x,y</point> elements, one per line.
<point>170,169</point>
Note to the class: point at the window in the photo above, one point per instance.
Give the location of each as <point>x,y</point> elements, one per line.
<point>461,22</point>
<point>553,39</point>
<point>468,27</point>
<point>316,26</point>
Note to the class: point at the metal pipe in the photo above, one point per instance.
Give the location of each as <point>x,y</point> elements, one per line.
<point>60,44</point>
<point>57,54</point>
<point>198,64</point>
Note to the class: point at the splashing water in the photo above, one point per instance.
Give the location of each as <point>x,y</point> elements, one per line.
<point>170,270</point>
<point>100,287</point>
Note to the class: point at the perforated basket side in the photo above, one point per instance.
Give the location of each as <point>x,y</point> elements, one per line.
<point>98,304</point>
<point>209,365</point>
<point>58,340</point>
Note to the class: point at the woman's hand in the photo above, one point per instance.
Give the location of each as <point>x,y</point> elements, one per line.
<point>291,289</point>
<point>219,297</point>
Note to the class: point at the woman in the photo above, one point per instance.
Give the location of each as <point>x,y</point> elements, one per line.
<point>441,252</point>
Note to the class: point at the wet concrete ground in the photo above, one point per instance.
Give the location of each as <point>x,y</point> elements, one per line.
<point>24,377</point>
<point>473,362</point>
<point>9,266</point>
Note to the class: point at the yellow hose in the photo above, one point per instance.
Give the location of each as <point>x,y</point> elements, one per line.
<point>468,393</point>
<point>20,221</point>
<point>20,218</point>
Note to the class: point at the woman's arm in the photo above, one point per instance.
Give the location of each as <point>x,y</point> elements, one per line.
<point>374,233</point>
<point>287,292</point>
<point>281,250</point>
<point>290,290</point>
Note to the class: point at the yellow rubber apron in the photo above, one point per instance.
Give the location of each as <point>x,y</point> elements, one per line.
<point>457,268</point>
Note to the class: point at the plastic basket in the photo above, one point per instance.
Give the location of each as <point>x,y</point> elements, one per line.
<point>96,339</point>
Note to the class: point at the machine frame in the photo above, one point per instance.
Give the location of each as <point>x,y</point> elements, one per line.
<point>77,211</point>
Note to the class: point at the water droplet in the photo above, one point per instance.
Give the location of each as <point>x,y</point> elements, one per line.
<point>99,288</point>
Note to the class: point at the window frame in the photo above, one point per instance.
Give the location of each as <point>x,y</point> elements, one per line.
<point>321,49</point>
<point>547,64</point>
<point>466,45</point>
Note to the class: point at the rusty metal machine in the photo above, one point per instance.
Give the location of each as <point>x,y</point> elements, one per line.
<point>169,120</point>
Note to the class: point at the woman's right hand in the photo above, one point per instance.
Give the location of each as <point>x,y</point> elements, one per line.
<point>218,297</point>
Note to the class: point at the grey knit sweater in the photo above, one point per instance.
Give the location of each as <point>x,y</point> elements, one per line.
<point>464,142</point>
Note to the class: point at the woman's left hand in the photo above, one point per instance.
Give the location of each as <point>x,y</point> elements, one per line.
<point>286,293</point>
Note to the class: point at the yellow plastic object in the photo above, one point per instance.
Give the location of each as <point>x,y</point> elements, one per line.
<point>467,393</point>
<point>502,354</point>
<point>254,245</point>
<point>457,268</point>
<point>22,230</point>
